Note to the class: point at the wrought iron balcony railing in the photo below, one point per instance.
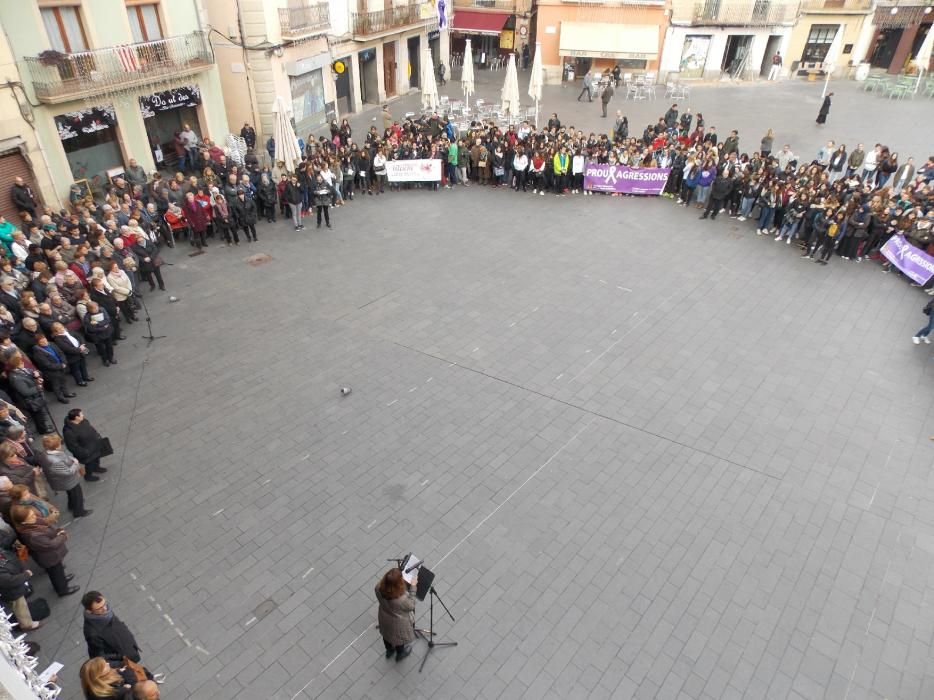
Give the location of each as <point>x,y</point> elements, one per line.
<point>297,22</point>
<point>715,13</point>
<point>370,23</point>
<point>59,77</point>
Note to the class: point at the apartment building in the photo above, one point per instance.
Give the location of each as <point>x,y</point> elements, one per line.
<point>600,35</point>
<point>114,80</point>
<point>823,22</point>
<point>713,39</point>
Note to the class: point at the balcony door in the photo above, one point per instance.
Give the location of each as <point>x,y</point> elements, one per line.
<point>64,28</point>
<point>146,28</point>
<point>144,21</point>
<point>66,35</point>
<point>389,68</point>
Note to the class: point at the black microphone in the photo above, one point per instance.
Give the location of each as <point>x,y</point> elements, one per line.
<point>413,567</point>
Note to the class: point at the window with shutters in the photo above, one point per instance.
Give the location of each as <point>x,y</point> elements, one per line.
<point>64,28</point>
<point>144,21</point>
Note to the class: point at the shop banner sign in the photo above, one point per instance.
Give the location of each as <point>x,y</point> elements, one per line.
<point>85,121</point>
<point>624,180</point>
<point>167,100</point>
<point>914,262</point>
<point>419,170</point>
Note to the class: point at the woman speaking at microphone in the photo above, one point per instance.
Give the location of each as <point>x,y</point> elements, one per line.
<point>396,614</point>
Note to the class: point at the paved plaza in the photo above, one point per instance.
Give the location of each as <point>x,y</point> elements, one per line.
<point>647,456</point>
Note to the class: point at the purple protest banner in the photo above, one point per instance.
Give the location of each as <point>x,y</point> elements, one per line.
<point>914,262</point>
<point>625,180</point>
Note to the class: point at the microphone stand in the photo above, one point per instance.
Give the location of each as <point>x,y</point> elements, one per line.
<point>431,626</point>
<point>148,338</point>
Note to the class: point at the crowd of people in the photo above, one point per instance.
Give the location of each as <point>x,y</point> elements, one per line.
<point>71,280</point>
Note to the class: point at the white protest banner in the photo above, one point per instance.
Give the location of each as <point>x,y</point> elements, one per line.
<point>421,170</point>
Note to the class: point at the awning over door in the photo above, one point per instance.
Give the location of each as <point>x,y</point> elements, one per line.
<point>479,22</point>
<point>595,40</point>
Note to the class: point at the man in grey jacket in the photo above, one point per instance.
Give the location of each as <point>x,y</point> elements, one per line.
<point>63,472</point>
<point>588,88</point>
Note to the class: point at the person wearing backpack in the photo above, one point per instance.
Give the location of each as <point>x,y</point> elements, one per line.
<point>925,333</point>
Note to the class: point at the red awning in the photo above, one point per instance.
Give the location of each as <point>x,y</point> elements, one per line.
<point>479,22</point>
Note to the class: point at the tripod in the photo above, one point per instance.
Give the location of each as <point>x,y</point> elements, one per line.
<point>148,338</point>
<point>431,626</point>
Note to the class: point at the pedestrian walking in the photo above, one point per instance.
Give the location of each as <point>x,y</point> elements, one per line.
<point>606,97</point>
<point>824,109</point>
<point>925,333</point>
<point>587,89</point>
<point>776,65</point>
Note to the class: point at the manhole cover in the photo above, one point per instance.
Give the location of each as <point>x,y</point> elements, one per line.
<point>258,259</point>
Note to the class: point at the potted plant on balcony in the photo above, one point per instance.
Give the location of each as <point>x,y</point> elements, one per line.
<point>51,57</point>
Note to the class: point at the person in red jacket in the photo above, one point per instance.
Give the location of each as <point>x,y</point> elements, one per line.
<point>204,199</point>
<point>197,220</point>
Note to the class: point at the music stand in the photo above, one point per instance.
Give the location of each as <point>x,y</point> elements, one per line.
<point>425,578</point>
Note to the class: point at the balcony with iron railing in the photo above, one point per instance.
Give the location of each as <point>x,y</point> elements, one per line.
<point>510,6</point>
<point>837,6</point>
<point>397,17</point>
<point>715,13</point>
<point>299,22</point>
<point>60,77</point>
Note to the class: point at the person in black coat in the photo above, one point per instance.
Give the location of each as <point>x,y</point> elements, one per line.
<point>25,337</point>
<point>84,442</point>
<point>13,580</point>
<point>23,198</point>
<point>323,195</point>
<point>244,213</point>
<point>248,133</point>
<point>292,195</point>
<point>73,351</point>
<point>51,362</point>
<point>99,293</point>
<point>10,299</point>
<point>720,190</point>
<point>150,264</point>
<point>824,109</point>
<point>99,330</point>
<point>268,198</point>
<point>27,388</point>
<point>106,634</point>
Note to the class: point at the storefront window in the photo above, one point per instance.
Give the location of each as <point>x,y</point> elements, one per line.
<point>818,44</point>
<point>308,102</point>
<point>89,137</point>
<point>166,113</point>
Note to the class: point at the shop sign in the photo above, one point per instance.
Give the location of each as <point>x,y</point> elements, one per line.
<point>583,53</point>
<point>434,34</point>
<point>167,100</point>
<point>85,121</point>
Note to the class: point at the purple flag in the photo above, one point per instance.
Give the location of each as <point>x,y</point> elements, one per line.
<point>623,179</point>
<point>914,262</point>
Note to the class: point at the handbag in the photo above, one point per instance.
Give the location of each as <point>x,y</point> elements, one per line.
<point>106,448</point>
<point>135,668</point>
<point>481,164</point>
<point>498,171</point>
